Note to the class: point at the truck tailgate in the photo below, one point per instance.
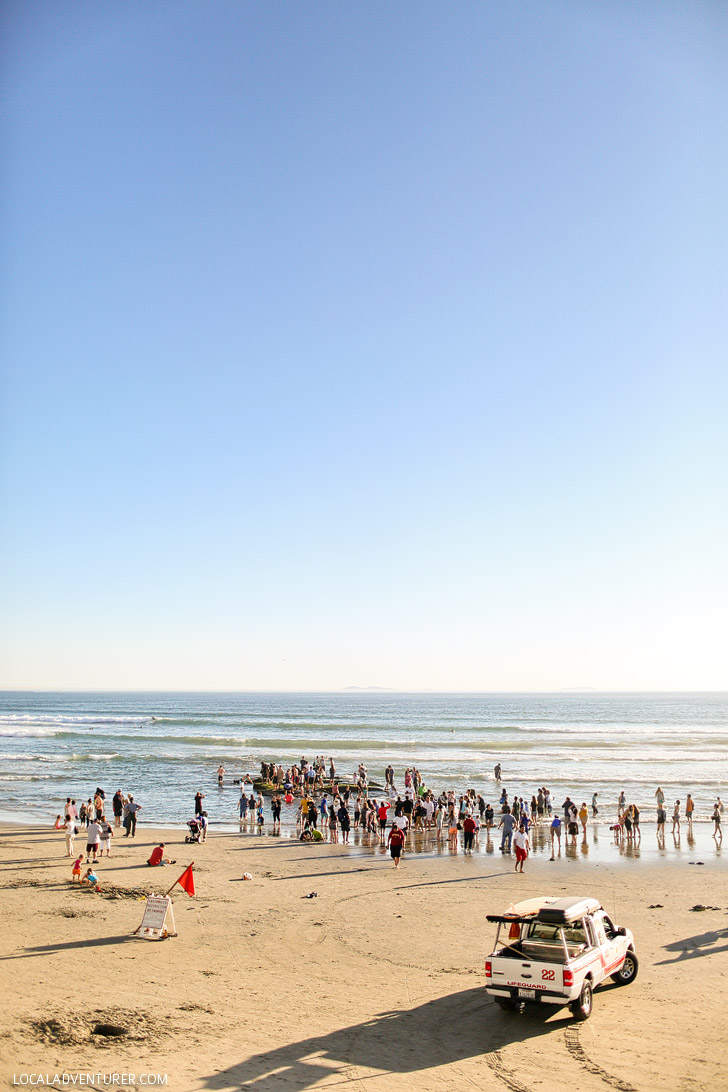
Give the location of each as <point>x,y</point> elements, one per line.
<point>526,974</point>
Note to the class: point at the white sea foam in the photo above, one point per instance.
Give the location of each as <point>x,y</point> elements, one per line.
<point>26,777</point>
<point>91,757</point>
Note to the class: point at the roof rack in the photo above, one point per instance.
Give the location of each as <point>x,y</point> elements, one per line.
<point>565,911</point>
<point>548,909</point>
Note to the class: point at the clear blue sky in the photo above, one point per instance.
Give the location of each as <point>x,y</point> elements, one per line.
<point>364,344</point>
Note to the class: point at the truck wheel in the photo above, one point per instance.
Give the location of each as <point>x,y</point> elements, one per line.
<point>628,971</point>
<point>582,1007</point>
<point>506,1004</point>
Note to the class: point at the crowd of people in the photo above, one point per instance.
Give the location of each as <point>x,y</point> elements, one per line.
<point>89,820</point>
<point>329,809</point>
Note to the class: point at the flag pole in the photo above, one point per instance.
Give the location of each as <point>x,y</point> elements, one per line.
<point>167,893</point>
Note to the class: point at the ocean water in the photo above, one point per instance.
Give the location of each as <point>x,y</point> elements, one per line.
<point>163,747</point>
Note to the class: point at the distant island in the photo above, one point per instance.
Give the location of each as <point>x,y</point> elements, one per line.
<point>372,689</point>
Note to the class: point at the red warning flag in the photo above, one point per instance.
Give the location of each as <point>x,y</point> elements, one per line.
<point>186,881</point>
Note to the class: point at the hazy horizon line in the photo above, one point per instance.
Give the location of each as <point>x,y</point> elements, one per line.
<point>341,690</point>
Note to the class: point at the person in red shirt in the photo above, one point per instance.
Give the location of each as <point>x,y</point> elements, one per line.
<point>157,857</point>
<point>382,816</point>
<point>469,828</point>
<point>396,844</point>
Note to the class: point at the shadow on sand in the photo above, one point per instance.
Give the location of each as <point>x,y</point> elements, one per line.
<point>69,945</point>
<point>692,947</point>
<point>441,1032</point>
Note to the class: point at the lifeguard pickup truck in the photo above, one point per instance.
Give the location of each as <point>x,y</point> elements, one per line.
<point>556,952</point>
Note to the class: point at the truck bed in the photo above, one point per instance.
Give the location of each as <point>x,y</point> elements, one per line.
<point>542,951</point>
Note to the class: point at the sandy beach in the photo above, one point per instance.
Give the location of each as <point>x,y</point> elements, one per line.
<point>377,983</point>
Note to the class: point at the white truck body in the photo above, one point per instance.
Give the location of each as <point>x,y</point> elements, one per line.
<point>557,951</point>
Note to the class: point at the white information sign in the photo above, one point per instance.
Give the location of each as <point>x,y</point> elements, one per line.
<point>158,920</point>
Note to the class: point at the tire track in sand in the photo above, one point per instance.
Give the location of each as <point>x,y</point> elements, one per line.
<point>503,1073</point>
<point>573,1045</point>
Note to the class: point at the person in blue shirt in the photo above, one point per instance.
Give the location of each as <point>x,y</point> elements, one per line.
<point>555,834</point>
<point>508,823</point>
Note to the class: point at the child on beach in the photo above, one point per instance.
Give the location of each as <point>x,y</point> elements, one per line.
<point>90,879</point>
<point>76,870</point>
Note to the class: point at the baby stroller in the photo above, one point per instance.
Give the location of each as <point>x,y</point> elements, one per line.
<point>195,830</point>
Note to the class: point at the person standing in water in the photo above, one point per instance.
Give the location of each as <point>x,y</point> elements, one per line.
<point>689,809</point>
<point>555,836</point>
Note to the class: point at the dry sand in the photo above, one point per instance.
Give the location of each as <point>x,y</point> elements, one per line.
<point>376,984</point>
